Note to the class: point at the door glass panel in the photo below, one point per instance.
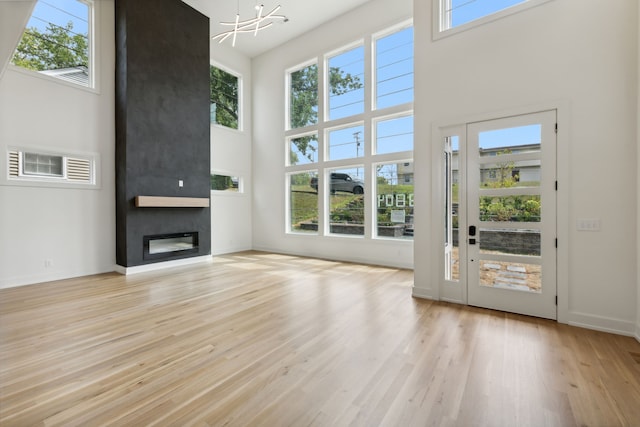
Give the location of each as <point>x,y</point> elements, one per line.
<point>516,173</point>
<point>515,140</point>
<point>511,241</point>
<point>510,208</point>
<point>451,249</point>
<point>510,275</point>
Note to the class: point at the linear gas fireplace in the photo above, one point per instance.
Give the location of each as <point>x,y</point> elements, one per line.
<point>163,246</point>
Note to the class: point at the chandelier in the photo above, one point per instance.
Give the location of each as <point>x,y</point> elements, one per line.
<point>253,25</point>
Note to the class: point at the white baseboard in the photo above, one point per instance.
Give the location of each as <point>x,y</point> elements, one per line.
<point>34,279</point>
<point>603,324</point>
<point>422,293</point>
<point>349,258</point>
<point>162,265</point>
<point>230,250</point>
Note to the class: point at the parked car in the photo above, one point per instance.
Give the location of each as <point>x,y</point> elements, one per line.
<point>341,182</point>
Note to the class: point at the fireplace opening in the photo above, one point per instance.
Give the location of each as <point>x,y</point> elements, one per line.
<point>170,245</point>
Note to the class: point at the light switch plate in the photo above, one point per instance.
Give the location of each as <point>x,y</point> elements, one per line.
<point>588,224</point>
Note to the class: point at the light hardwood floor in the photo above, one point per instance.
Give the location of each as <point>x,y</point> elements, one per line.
<point>257,339</point>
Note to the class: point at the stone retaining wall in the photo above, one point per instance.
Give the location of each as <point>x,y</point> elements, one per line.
<point>521,242</point>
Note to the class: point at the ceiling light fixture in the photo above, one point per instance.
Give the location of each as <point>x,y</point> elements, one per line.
<point>260,22</point>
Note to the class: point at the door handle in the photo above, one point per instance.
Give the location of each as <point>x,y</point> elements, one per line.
<point>472,241</point>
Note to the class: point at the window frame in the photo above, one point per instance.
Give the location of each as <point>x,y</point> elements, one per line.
<point>92,52</point>
<point>238,76</point>
<point>441,28</point>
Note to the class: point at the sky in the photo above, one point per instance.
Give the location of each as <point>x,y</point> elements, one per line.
<point>60,12</point>
<point>510,137</point>
<point>464,11</point>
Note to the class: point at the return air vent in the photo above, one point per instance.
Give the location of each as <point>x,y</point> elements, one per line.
<point>78,169</point>
<point>43,167</point>
<point>14,164</point>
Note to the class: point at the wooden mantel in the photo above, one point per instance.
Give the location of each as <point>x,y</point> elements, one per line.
<point>171,202</point>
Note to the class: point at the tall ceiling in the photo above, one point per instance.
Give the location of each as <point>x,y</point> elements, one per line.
<point>302,15</point>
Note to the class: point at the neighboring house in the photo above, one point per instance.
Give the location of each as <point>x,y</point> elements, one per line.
<point>522,171</point>
<point>78,75</point>
<point>405,173</point>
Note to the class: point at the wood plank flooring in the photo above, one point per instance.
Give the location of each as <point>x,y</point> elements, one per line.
<point>258,339</point>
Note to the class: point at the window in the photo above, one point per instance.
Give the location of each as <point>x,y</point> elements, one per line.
<point>228,183</point>
<point>333,154</point>
<point>224,97</point>
<point>394,200</point>
<point>303,96</point>
<point>48,168</point>
<point>463,14</point>
<point>394,68</point>
<point>345,80</point>
<point>303,202</point>
<point>57,41</point>
<point>345,143</point>
<point>394,135</point>
<point>303,149</point>
<point>346,210</point>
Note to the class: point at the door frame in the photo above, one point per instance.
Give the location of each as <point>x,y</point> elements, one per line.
<point>457,292</point>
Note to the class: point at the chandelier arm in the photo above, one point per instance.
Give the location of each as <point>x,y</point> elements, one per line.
<point>252,25</point>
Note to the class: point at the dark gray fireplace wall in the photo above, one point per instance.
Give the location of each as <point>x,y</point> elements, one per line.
<point>162,122</point>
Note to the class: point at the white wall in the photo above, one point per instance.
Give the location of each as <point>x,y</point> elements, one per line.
<point>231,155</point>
<point>580,56</point>
<point>75,229</point>
<point>269,141</point>
<point>638,184</point>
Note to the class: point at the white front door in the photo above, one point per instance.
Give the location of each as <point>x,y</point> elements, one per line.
<point>510,228</point>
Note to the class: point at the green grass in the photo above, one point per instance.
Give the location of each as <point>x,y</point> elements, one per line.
<point>304,203</point>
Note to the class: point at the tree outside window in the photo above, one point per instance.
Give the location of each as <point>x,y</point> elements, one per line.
<point>224,98</point>
<point>56,41</point>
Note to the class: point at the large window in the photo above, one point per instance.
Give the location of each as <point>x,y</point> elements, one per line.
<point>224,95</point>
<point>357,149</point>
<point>57,41</point>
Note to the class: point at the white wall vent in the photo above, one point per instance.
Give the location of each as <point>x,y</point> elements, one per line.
<point>42,167</point>
<point>79,170</point>
<point>14,164</point>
